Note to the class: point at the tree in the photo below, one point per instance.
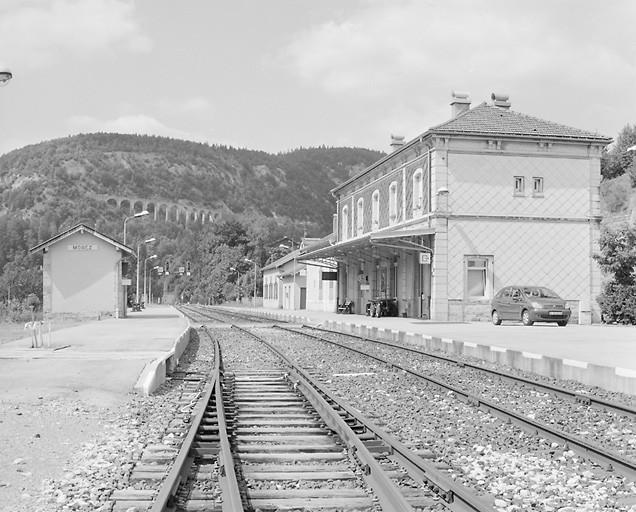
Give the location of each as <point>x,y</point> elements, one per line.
<point>617,161</point>
<point>618,260</point>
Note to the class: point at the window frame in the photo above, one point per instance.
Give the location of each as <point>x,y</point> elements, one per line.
<point>519,186</point>
<point>418,192</point>
<point>375,210</point>
<point>344,224</point>
<point>393,203</point>
<point>487,271</point>
<point>360,217</point>
<point>537,180</point>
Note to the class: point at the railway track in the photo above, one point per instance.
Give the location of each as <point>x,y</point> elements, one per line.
<point>609,458</point>
<point>291,446</point>
<point>223,316</point>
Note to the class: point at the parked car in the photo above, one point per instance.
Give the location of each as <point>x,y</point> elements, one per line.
<point>529,304</point>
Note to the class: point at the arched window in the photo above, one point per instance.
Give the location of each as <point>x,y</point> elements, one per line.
<point>360,217</point>
<point>418,193</point>
<point>375,210</point>
<point>393,203</point>
<point>345,223</point>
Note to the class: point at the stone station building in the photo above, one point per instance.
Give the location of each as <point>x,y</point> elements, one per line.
<point>490,198</point>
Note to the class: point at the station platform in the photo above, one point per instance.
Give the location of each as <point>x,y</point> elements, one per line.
<point>602,355</point>
<point>97,361</point>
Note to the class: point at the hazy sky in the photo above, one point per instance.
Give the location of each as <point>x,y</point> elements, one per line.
<point>278,74</point>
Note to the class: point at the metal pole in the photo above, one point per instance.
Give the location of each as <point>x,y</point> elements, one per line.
<point>137,289</point>
<point>254,304</point>
<point>150,287</point>
<point>145,292</point>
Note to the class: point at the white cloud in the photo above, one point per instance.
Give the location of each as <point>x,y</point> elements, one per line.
<point>192,105</point>
<point>405,47</point>
<point>139,124</point>
<point>37,33</point>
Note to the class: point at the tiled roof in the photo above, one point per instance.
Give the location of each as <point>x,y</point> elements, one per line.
<point>487,119</point>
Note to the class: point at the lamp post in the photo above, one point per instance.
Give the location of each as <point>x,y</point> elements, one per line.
<point>150,283</point>
<point>5,76</point>
<point>238,281</point>
<point>254,297</point>
<point>150,240</point>
<point>138,214</point>
<point>146,261</point>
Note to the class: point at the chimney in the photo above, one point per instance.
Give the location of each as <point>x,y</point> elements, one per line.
<point>500,100</point>
<point>397,141</point>
<point>460,103</point>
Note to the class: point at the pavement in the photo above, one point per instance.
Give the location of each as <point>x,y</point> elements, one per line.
<point>606,345</point>
<point>97,361</point>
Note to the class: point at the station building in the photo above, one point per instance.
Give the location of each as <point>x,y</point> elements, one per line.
<point>491,197</point>
<point>292,284</point>
<point>82,273</point>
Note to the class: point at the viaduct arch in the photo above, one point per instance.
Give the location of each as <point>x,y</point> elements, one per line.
<point>162,210</point>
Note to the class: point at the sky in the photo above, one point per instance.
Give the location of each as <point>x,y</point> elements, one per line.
<point>274,75</point>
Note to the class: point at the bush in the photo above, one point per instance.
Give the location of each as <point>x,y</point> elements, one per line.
<point>618,303</point>
<point>15,311</point>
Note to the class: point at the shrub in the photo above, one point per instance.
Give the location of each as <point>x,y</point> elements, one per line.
<point>618,303</point>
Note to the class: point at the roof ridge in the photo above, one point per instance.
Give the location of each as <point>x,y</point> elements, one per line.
<point>480,120</point>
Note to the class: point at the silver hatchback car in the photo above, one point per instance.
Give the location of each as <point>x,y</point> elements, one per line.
<point>529,304</point>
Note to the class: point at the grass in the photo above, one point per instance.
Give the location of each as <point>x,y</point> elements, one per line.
<point>10,331</point>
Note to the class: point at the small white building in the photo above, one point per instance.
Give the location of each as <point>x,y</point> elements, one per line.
<point>82,273</point>
<point>291,284</point>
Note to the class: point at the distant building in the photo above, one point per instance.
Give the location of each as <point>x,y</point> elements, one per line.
<point>291,284</point>
<point>82,273</point>
<point>489,198</point>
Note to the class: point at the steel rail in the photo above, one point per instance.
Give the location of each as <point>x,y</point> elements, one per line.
<point>164,502</point>
<point>455,496</point>
<point>616,407</point>
<point>388,494</point>
<point>613,460</point>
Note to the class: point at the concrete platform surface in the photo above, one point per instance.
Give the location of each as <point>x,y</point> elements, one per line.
<point>98,361</point>
<point>606,345</point>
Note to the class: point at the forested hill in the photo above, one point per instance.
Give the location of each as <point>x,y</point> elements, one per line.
<point>50,178</point>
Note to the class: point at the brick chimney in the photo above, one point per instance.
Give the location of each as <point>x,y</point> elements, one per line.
<point>500,100</point>
<point>460,103</point>
<point>397,141</point>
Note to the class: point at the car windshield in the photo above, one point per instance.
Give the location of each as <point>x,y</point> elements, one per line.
<point>539,291</point>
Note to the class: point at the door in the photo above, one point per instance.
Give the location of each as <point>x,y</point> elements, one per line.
<point>516,304</point>
<point>303,298</point>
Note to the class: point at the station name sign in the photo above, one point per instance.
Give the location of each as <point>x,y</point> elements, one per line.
<point>82,247</point>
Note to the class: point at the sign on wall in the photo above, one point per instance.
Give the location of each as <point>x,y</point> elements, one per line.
<point>82,247</point>
<point>425,258</point>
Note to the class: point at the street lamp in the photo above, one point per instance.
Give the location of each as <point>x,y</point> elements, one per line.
<point>146,261</point>
<point>150,283</point>
<point>238,281</point>
<point>150,240</point>
<point>254,298</point>
<point>138,214</point>
<point>5,76</point>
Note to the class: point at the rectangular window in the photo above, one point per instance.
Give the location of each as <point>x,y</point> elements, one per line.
<point>478,277</point>
<point>537,186</point>
<point>520,185</point>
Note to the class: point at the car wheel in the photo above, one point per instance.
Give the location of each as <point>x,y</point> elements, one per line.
<point>525,318</point>
<point>563,323</point>
<point>495,318</point>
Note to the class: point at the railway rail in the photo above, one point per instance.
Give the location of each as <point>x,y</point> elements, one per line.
<point>282,426</point>
<point>583,398</point>
<point>593,451</point>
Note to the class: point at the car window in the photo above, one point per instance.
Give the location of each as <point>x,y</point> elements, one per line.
<point>549,294</point>
<point>505,293</point>
<point>515,293</point>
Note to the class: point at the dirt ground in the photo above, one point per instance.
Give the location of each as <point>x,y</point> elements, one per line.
<point>38,442</point>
